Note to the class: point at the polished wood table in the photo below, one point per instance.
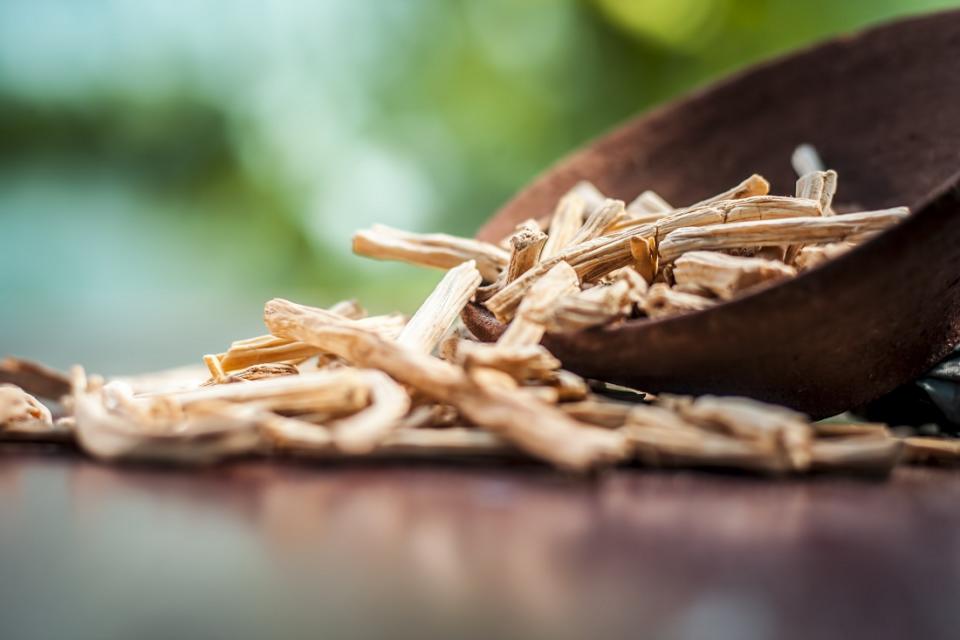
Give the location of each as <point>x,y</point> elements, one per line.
<point>297,549</point>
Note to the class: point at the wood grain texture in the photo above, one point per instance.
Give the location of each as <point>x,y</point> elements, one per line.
<point>482,551</point>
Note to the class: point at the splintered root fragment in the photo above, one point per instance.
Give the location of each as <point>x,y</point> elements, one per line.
<point>725,275</point>
<point>778,232</point>
<point>776,428</point>
<point>811,256</point>
<point>591,307</point>
<point>649,203</point>
<point>525,244</point>
<point>430,250</point>
<point>857,454</point>
<point>662,301</point>
<point>599,221</point>
<point>364,430</point>
<point>437,314</point>
<point>23,417</point>
<point>755,185</point>
<point>564,224</point>
<point>528,326</point>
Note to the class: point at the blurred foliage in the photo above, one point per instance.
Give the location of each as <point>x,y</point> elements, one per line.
<point>164,167</point>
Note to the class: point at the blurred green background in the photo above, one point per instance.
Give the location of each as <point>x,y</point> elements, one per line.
<point>165,167</point>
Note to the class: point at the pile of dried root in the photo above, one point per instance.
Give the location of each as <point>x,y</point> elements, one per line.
<point>336,383</point>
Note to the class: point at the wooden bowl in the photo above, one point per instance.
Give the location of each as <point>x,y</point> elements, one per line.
<point>883,109</point>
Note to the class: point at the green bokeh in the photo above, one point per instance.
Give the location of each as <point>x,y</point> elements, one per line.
<point>166,167</point>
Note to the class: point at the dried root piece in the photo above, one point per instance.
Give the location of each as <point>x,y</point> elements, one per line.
<point>649,203</point>
<point>810,256</point>
<point>440,310</point>
<point>599,221</point>
<point>430,250</point>
<point>522,363</point>
<point>364,430</point>
<point>592,197</point>
<point>337,390</point>
<point>826,430</point>
<point>525,247</point>
<point>256,372</point>
<point>114,427</point>
<point>856,454</point>
<point>531,425</point>
<point>566,221</point>
<point>774,428</point>
<point>932,451</point>
<point>784,231</point>
<point>755,185</point>
<point>820,186</point>
<point>645,258</point>
<point>23,417</point>
<point>725,275</point>
<point>529,325</point>
<point>661,438</point>
<point>662,301</point>
<point>591,307</point>
<point>600,413</point>
<point>34,378</point>
<point>569,387</point>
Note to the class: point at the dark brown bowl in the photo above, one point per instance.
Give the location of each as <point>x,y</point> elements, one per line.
<point>883,109</point>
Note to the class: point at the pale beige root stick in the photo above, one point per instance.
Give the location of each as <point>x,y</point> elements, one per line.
<point>857,454</point>
<point>805,159</point>
<point>569,387</point>
<point>527,327</point>
<point>598,221</point>
<point>725,275</point>
<point>525,246</point>
<point>755,185</point>
<point>645,258</point>
<point>637,285</point>
<point>826,430</point>
<point>272,350</point>
<point>592,197</point>
<point>533,426</point>
<point>775,427</point>
<point>566,221</point>
<point>778,232</point>
<point>254,372</point>
<point>364,430</point>
<point>661,438</point>
<point>662,301</point>
<point>23,417</point>
<point>441,309</point>
<point>336,390</point>
<point>934,451</point>
<point>430,250</point>
<point>820,186</point>
<point>111,428</point>
<point>649,203</point>
<point>591,307</point>
<point>812,255</point>
<point>600,413</point>
<point>816,185</point>
<point>522,363</point>
<point>297,438</point>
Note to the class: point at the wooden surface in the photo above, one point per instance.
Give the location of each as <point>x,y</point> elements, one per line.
<point>307,550</point>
